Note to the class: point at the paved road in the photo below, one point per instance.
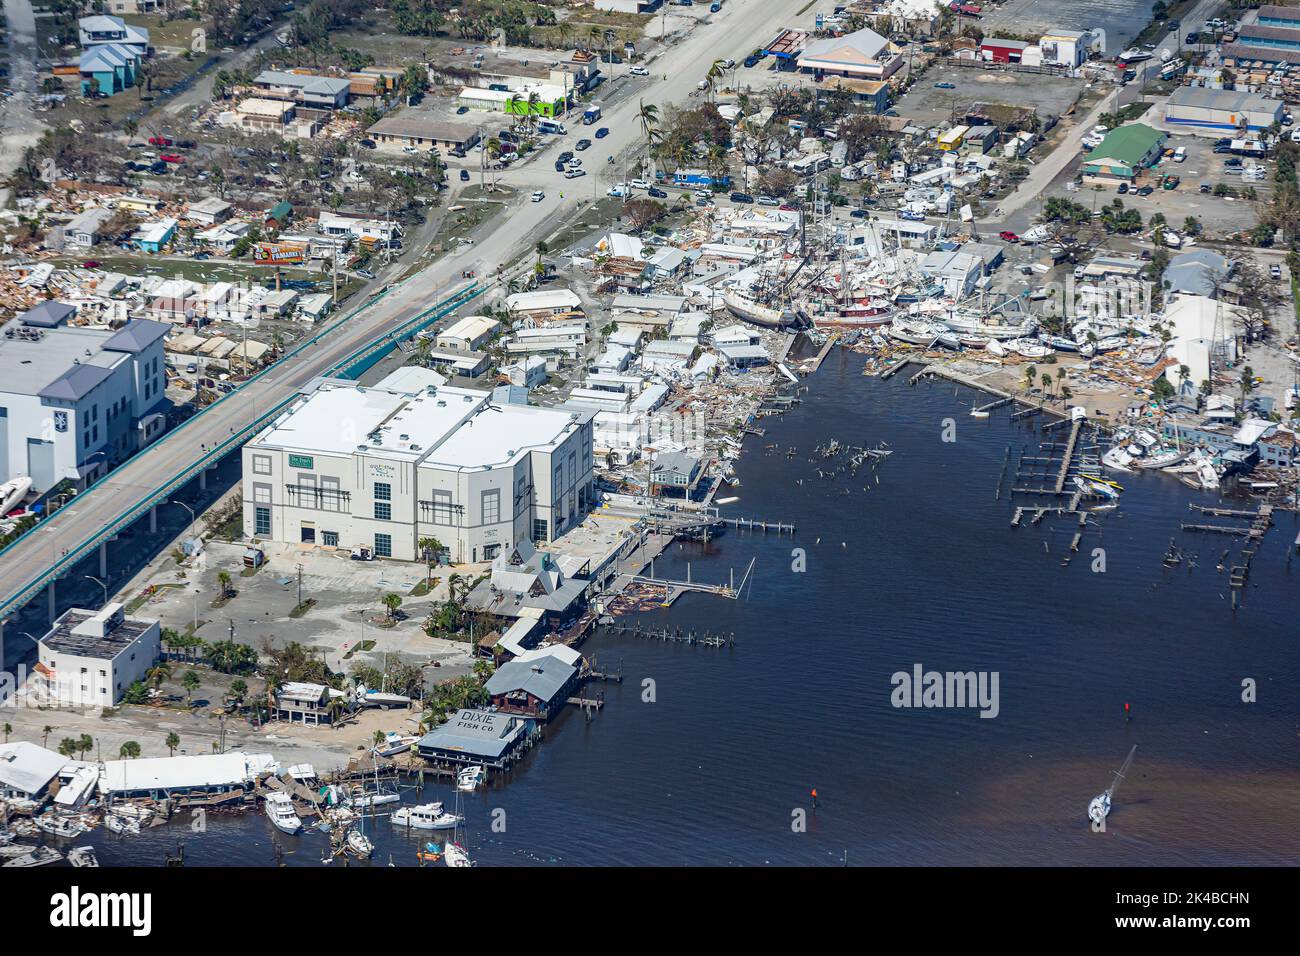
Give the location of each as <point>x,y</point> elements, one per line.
<point>742,25</point>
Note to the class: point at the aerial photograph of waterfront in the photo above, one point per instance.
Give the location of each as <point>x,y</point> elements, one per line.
<point>626,433</point>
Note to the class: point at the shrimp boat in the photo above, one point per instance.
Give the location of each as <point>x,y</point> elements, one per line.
<point>469,778</point>
<point>1099,806</point>
<point>743,307</point>
<point>428,816</point>
<point>279,810</point>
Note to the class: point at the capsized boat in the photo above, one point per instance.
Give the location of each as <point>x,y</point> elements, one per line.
<point>453,854</point>
<point>394,744</point>
<point>360,844</point>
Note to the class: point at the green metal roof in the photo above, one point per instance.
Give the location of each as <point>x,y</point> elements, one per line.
<point>1127,144</point>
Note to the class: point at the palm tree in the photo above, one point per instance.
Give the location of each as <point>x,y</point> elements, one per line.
<point>45,735</point>
<point>224,579</point>
<point>129,750</point>
<point>84,744</point>
<point>648,115</point>
<point>130,127</point>
<point>173,741</point>
<point>391,603</point>
<point>8,730</point>
<point>191,683</point>
<point>67,747</point>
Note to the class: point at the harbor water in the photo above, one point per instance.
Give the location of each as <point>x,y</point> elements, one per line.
<point>706,755</point>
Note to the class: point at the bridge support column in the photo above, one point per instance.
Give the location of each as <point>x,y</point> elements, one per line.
<point>103,559</point>
<point>153,520</point>
<point>203,479</point>
<point>53,599</point>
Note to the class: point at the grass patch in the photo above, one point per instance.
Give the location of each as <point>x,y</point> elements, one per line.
<point>420,590</point>
<point>303,608</point>
<point>364,646</point>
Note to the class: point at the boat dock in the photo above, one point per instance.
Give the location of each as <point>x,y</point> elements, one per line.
<point>754,524</point>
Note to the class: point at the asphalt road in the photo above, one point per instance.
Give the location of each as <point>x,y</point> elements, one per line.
<point>736,31</point>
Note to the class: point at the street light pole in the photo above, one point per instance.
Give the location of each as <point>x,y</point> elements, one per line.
<point>91,577</point>
<point>193,515</point>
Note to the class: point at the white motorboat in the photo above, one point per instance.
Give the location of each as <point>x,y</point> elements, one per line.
<point>453,854</point>
<point>394,744</point>
<point>360,844</point>
<point>1099,806</point>
<point>12,492</point>
<point>469,778</point>
<point>59,826</point>
<point>974,323</point>
<point>279,810</point>
<point>994,347</point>
<point>1098,487</point>
<point>376,798</point>
<point>39,856</point>
<point>1061,343</point>
<point>428,816</point>
<point>1029,348</point>
<point>83,856</point>
<point>132,811</point>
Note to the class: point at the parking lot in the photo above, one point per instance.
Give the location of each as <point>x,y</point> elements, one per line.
<point>927,104</point>
<point>1121,19</point>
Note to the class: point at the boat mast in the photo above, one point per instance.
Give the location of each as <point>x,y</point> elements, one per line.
<point>1121,772</point>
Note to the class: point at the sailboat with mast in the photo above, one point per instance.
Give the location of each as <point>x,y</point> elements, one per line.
<point>453,851</point>
<point>1099,806</point>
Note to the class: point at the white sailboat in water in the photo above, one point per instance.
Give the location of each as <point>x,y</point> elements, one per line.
<point>1099,806</point>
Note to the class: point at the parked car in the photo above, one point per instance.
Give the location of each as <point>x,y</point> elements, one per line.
<point>365,273</point>
<point>462,110</point>
<point>1006,235</point>
<point>768,201</point>
<point>90,264</point>
<point>1123,188</point>
<point>203,256</point>
<point>159,141</point>
<point>858,213</point>
<point>1275,271</point>
<point>639,71</point>
<point>464,175</point>
<point>945,86</point>
<point>573,172</point>
<point>639,184</point>
<point>582,144</point>
<point>560,166</point>
<point>565,156</point>
<point>1145,191</point>
<point>742,198</point>
<point>656,193</point>
<point>602,132</point>
<point>751,61</point>
<point>538,195</point>
<point>367,144</point>
<point>186,144</point>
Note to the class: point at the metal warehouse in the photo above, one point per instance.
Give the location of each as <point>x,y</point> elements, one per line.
<point>1220,111</point>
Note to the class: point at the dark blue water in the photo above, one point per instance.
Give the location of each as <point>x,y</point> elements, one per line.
<point>921,568</point>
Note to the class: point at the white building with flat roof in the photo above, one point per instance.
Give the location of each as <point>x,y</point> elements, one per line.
<point>89,658</point>
<point>384,468</point>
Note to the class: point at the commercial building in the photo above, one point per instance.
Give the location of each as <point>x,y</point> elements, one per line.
<point>76,401</point>
<point>1221,111</point>
<point>477,737</point>
<point>308,91</point>
<point>1124,153</point>
<point>420,129</point>
<point>162,777</point>
<point>864,55</point>
<point>998,50</point>
<point>1272,15</point>
<point>543,99</point>
<point>208,211</point>
<point>536,683</point>
<point>347,466</point>
<point>90,658</point>
<point>545,305</point>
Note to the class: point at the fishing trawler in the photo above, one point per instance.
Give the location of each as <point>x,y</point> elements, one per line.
<point>1099,806</point>
<point>743,307</point>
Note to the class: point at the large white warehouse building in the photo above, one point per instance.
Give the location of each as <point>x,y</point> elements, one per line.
<point>384,468</point>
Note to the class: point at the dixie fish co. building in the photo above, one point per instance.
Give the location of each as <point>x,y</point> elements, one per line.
<point>348,466</point>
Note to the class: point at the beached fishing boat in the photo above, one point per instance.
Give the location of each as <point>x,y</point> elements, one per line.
<point>279,810</point>
<point>1061,343</point>
<point>394,744</point>
<point>965,322</point>
<point>1028,348</point>
<point>469,778</point>
<point>39,856</point>
<point>428,816</point>
<point>1099,806</point>
<point>743,307</point>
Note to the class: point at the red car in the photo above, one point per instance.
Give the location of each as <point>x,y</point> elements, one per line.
<point>90,264</point>
<point>171,158</point>
<point>1007,236</point>
<point>159,141</point>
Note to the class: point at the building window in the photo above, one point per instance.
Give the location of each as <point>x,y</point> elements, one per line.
<point>443,511</point>
<point>261,494</point>
<point>383,491</point>
<point>384,545</point>
<point>491,506</point>
<point>261,521</point>
<point>490,551</point>
<point>383,511</point>
<point>330,539</point>
<point>541,528</point>
<point>261,464</point>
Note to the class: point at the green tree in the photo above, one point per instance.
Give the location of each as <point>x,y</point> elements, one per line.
<point>129,750</point>
<point>391,603</point>
<point>173,741</point>
<point>191,683</point>
<point>67,747</point>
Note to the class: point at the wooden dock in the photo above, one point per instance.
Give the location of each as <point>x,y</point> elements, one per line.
<point>1068,457</point>
<point>755,524</point>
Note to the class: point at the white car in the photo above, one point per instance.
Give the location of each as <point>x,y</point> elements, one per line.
<point>768,201</point>
<point>639,71</point>
<point>574,172</point>
<point>639,184</point>
<point>538,195</point>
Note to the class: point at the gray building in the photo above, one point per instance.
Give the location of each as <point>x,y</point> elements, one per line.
<point>74,401</point>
